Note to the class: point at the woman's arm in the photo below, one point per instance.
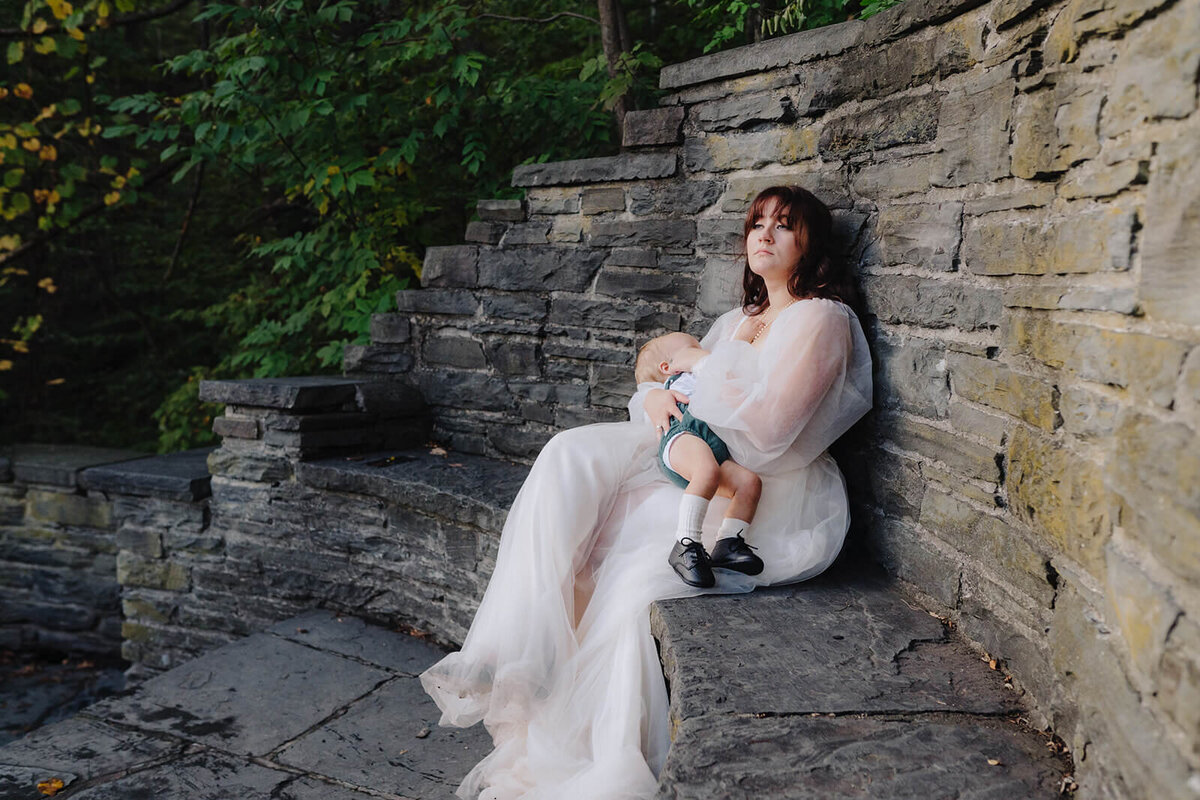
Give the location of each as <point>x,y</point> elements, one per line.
<point>811,376</point>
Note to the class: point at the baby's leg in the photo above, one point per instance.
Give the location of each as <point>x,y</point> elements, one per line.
<point>692,458</point>
<point>743,487</point>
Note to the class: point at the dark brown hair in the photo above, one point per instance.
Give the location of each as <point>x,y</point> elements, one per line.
<point>819,273</point>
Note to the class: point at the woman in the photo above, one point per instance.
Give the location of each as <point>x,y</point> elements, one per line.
<point>559,662</point>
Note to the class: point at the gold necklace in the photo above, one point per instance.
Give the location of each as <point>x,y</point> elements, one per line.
<point>763,327</point>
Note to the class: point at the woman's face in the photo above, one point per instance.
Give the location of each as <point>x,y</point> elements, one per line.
<point>773,246</point>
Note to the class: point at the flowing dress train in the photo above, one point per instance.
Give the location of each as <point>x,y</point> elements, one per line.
<point>559,663</point>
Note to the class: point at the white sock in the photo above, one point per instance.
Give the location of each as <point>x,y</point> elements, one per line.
<point>731,527</point>
<point>692,509</point>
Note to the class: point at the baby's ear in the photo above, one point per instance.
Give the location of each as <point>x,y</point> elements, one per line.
<point>664,367</point>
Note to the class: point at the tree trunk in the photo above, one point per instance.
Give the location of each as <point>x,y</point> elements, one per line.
<point>614,37</point>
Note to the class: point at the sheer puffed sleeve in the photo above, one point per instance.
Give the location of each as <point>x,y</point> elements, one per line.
<point>782,406</point>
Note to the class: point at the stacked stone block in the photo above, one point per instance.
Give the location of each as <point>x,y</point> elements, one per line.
<point>58,552</point>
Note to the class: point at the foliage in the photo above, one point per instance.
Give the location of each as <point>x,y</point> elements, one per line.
<point>245,207</point>
<point>727,21</point>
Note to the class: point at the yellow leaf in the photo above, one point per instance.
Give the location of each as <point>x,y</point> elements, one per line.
<point>20,347</point>
<point>48,285</point>
<point>45,46</point>
<point>48,153</point>
<point>56,382</point>
<point>31,144</point>
<point>90,78</point>
<point>5,365</point>
<point>10,242</point>
<point>39,25</point>
<point>112,198</point>
<point>23,91</point>
<point>118,182</point>
<point>8,141</point>
<point>75,33</point>
<point>103,10</point>
<point>3,92</point>
<point>60,8</point>
<point>333,170</point>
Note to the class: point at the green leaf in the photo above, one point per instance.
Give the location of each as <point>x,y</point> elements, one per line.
<point>16,51</point>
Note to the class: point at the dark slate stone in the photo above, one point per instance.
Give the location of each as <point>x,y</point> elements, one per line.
<point>672,198</point>
<point>596,201</point>
<point>437,301</point>
<point>653,127</point>
<point>60,464</point>
<point>484,233</point>
<point>391,738</point>
<point>613,386</point>
<point>350,636</point>
<point>646,285</point>
<point>722,236</point>
<point>375,360</point>
<point>794,49</point>
<point>454,351</point>
<point>6,474</point>
<point>293,394</point>
<point>515,306</point>
<point>527,233</point>
<point>632,257</point>
<point>882,72</point>
<point>513,357</point>
<point>891,657</point>
<point>594,170</point>
<point>388,399</point>
<point>797,758</point>
<point>904,120</point>
<point>452,266</point>
<point>910,16</point>
<point>585,313</point>
<point>519,441</point>
<point>455,389</point>
<point>540,269</point>
<point>235,427</point>
<point>390,329</point>
<point>177,476</point>
<point>83,748</point>
<point>650,232</point>
<point>742,111</point>
<point>465,488</point>
<point>501,210</point>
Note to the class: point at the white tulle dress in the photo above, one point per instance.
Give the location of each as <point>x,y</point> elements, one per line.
<point>559,663</point>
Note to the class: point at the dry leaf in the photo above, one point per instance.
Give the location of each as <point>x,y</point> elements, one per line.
<point>992,663</point>
<point>437,451</point>
<point>995,762</point>
<point>51,787</point>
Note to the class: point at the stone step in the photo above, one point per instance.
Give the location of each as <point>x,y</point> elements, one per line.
<point>838,688</point>
<point>319,707</point>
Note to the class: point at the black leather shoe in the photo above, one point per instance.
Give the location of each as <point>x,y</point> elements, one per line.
<point>733,553</point>
<point>690,563</point>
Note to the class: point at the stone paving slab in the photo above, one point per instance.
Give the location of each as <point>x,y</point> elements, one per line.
<point>369,746</point>
<point>248,697</point>
<point>807,758</point>
<point>350,636</point>
<point>322,708</point>
<point>833,689</point>
<point>59,464</point>
<point>832,645</point>
<point>175,476</point>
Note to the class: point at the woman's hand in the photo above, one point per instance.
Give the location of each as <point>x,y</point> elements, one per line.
<point>685,360</point>
<point>660,406</point>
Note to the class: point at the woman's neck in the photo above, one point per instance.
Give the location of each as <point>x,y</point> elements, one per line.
<point>778,295</point>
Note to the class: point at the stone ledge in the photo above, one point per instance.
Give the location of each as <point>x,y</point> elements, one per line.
<point>6,474</point>
<point>594,170</point>
<point>290,394</point>
<point>846,691</point>
<point>466,488</point>
<point>59,464</point>
<point>177,476</point>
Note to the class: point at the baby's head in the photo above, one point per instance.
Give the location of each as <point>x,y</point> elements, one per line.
<point>652,361</point>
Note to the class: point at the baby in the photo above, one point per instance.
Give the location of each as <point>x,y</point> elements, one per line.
<point>695,458</point>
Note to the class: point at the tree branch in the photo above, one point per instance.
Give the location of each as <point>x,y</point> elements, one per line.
<point>128,19</point>
<point>539,21</point>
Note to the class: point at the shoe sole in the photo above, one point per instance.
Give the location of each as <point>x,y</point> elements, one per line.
<point>700,585</point>
<point>740,568</point>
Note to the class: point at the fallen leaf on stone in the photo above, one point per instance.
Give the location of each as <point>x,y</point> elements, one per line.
<point>51,787</point>
<point>454,464</point>
<point>424,732</point>
<point>995,762</point>
<point>301,630</point>
<point>992,663</point>
<point>437,451</point>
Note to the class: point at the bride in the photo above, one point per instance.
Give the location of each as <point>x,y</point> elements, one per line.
<point>559,663</point>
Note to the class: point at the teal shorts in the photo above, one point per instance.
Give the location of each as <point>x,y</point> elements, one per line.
<point>696,427</point>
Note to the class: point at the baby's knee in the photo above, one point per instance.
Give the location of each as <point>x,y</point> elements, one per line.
<point>746,482</point>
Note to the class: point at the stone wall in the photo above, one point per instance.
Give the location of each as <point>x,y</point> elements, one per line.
<point>1016,182</point>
